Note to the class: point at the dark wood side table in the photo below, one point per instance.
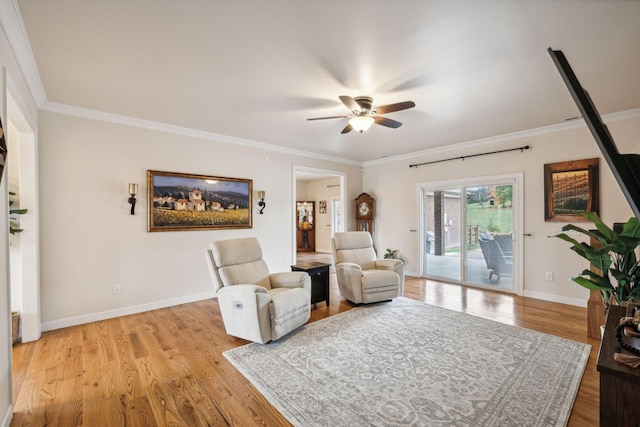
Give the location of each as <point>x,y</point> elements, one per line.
<point>319,273</point>
<point>619,383</point>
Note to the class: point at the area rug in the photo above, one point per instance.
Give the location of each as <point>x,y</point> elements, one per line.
<point>406,363</point>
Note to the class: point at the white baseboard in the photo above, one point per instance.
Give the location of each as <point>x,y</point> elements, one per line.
<point>555,298</point>
<point>8,416</point>
<point>124,311</point>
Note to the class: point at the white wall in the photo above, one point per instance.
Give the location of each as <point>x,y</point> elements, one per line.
<point>323,189</point>
<point>301,190</point>
<point>393,184</point>
<point>90,242</point>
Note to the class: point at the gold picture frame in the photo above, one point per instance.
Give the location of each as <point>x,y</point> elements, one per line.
<point>571,189</point>
<point>181,202</point>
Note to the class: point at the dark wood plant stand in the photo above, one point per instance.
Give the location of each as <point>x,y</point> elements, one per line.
<point>595,314</point>
<point>595,304</point>
<point>619,383</point>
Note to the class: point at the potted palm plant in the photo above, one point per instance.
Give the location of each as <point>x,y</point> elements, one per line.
<point>14,227</point>
<point>392,254</point>
<point>618,271</point>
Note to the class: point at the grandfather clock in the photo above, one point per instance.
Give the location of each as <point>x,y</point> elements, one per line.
<point>364,213</point>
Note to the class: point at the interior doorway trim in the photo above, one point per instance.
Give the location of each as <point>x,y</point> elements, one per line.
<point>343,196</point>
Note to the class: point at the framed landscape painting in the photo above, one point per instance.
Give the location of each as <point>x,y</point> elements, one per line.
<point>571,190</point>
<point>180,202</point>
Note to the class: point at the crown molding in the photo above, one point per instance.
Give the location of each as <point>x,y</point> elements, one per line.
<point>572,124</point>
<point>86,113</point>
<point>178,130</point>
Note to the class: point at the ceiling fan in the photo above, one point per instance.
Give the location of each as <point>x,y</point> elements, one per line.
<point>364,115</point>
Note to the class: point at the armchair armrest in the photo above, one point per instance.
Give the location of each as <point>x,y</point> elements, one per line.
<point>245,311</point>
<point>240,290</point>
<point>291,279</point>
<point>348,265</point>
<point>388,264</point>
<point>349,276</point>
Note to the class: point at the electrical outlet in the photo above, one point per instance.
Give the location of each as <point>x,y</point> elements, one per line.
<point>548,275</point>
<point>116,289</point>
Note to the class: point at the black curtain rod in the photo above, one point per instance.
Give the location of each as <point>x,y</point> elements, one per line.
<point>526,147</point>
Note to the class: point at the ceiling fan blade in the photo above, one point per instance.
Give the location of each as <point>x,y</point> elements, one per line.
<point>332,117</point>
<point>394,107</point>
<point>387,122</point>
<point>347,129</point>
<point>350,103</point>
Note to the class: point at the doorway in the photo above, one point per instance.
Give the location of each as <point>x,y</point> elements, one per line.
<point>470,232</point>
<point>24,248</point>
<point>325,190</point>
<point>336,216</point>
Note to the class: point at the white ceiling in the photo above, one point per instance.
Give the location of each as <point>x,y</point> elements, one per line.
<point>256,70</point>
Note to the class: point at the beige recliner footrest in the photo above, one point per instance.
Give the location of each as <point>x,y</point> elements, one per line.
<point>379,285</point>
<point>288,310</point>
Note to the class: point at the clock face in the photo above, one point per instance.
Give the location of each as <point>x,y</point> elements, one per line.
<point>363,209</point>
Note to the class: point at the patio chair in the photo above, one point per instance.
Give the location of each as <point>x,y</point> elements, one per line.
<point>505,241</point>
<point>497,262</point>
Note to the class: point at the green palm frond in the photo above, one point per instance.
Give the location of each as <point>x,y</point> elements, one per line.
<point>615,258</point>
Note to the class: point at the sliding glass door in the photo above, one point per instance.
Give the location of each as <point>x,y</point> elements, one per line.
<point>489,235</point>
<point>442,239</point>
<point>470,230</point>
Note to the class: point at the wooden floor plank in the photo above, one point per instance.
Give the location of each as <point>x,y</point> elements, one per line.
<point>166,367</point>
<point>101,390</point>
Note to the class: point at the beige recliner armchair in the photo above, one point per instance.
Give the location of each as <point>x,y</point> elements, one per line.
<point>361,277</point>
<point>256,305</point>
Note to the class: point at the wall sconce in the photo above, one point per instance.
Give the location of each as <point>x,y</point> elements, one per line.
<point>133,190</point>
<point>261,203</point>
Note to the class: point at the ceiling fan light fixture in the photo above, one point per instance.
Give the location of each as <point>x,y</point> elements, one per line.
<point>364,115</point>
<point>361,123</point>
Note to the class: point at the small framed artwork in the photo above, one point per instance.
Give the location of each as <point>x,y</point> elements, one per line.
<point>322,207</point>
<point>571,189</point>
<point>180,202</point>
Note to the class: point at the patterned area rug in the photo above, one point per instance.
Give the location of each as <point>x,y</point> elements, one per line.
<point>412,364</point>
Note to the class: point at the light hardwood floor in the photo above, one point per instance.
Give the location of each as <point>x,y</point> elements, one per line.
<point>165,367</point>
